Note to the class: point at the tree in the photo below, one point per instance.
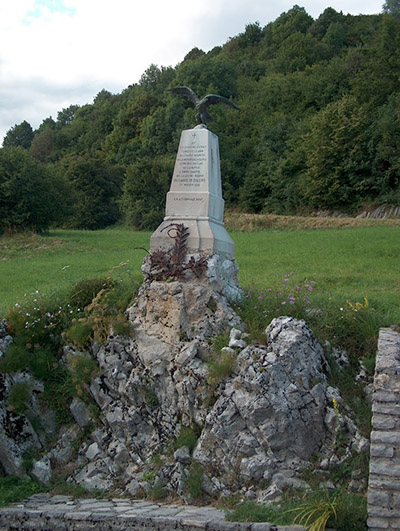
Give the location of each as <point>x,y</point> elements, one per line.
<point>145,189</point>
<point>298,51</point>
<point>66,116</point>
<point>392,7</point>
<point>337,162</point>
<point>385,146</point>
<point>97,186</point>
<point>19,135</point>
<point>30,196</point>
<point>320,27</point>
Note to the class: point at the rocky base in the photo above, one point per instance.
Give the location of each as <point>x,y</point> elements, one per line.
<point>259,413</point>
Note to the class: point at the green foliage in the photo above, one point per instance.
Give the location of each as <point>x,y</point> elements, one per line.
<point>97,187</point>
<point>105,301</point>
<point>146,185</point>
<point>18,397</point>
<point>84,291</point>
<point>392,7</point>
<point>315,514</point>
<point>14,489</point>
<point>83,370</point>
<point>220,367</point>
<point>15,359</point>
<point>158,492</point>
<point>150,397</point>
<point>219,342</point>
<point>105,315</point>
<point>195,480</point>
<point>250,511</point>
<point>19,135</point>
<point>28,458</point>
<point>337,164</point>
<point>290,297</point>
<point>81,332</point>
<point>354,326</point>
<point>38,327</point>
<point>187,437</point>
<point>30,197</point>
<point>339,509</point>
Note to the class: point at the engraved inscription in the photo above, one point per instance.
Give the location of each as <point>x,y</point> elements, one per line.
<point>190,167</point>
<point>189,198</point>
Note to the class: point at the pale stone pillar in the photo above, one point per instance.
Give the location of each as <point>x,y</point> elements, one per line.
<point>195,196</point>
<point>384,465</point>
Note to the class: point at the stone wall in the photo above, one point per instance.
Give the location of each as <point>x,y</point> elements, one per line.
<point>384,478</point>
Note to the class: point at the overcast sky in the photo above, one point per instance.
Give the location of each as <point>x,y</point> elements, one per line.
<point>54,53</point>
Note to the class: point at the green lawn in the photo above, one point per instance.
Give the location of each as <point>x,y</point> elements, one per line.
<point>64,257</point>
<point>350,263</point>
<point>346,264</point>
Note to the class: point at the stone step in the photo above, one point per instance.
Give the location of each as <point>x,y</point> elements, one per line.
<point>47,513</point>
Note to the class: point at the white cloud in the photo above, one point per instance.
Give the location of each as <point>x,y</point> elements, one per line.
<point>54,53</point>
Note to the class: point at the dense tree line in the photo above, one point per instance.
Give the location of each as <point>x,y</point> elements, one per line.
<point>319,128</point>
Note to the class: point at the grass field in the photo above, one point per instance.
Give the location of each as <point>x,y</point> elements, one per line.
<point>346,263</point>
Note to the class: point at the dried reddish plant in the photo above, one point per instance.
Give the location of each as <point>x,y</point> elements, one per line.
<point>172,265</point>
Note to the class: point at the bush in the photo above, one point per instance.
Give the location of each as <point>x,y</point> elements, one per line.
<point>84,291</point>
<point>195,480</point>
<point>340,509</point>
<point>220,367</point>
<point>187,437</point>
<point>18,397</point>
<point>14,489</point>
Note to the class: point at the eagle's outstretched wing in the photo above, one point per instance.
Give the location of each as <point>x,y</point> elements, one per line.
<point>213,99</point>
<point>202,115</point>
<point>185,91</point>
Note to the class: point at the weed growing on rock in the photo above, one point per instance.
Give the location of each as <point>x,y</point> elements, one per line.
<point>83,370</point>
<point>158,492</point>
<point>220,367</point>
<point>195,480</point>
<point>187,437</point>
<point>40,326</point>
<point>353,326</point>
<point>219,342</point>
<point>18,397</point>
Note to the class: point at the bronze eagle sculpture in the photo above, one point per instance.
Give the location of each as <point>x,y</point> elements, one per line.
<point>202,105</point>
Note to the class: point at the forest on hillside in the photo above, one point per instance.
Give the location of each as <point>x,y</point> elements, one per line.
<point>318,129</point>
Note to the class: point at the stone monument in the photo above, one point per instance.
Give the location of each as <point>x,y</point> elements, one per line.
<point>195,196</point>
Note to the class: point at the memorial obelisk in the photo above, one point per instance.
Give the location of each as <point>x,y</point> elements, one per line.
<point>195,196</point>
